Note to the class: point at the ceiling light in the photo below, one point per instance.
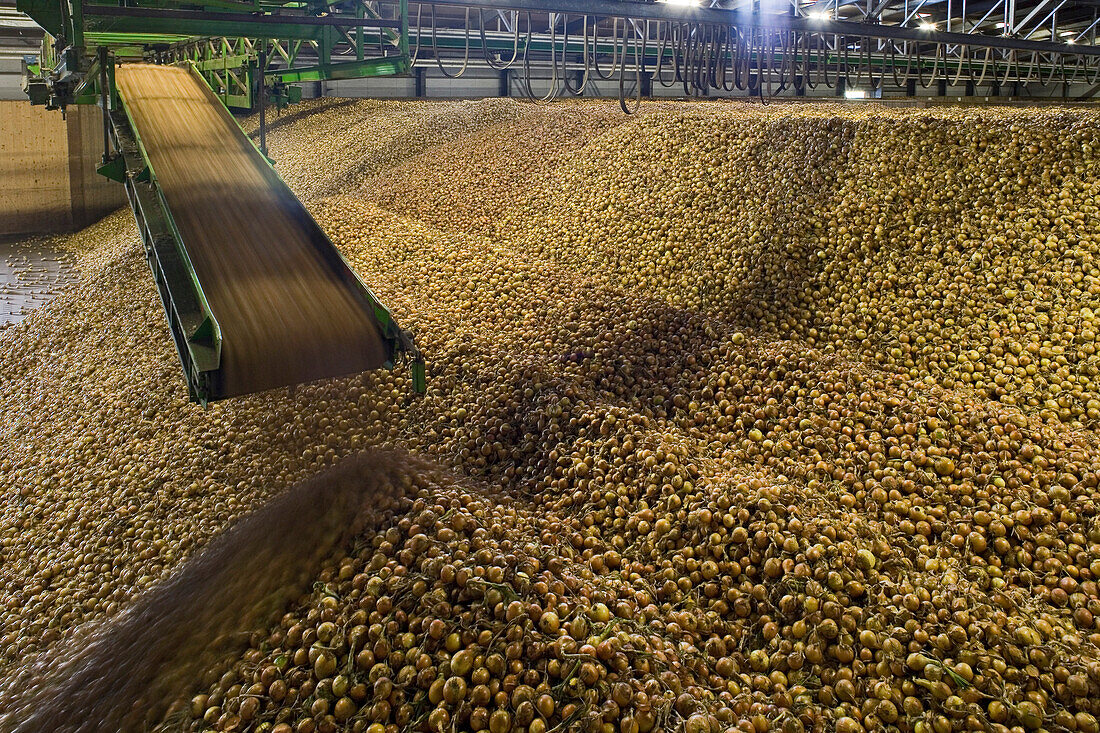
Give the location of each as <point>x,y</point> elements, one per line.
<point>927,26</point>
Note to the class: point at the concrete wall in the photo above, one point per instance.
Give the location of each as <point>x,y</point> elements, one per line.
<point>47,164</point>
<point>11,78</point>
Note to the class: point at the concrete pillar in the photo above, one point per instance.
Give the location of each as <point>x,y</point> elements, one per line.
<point>421,82</point>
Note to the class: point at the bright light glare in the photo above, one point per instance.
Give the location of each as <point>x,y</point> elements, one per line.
<point>855,94</point>
<point>681,2</point>
<point>926,26</point>
<point>820,15</point>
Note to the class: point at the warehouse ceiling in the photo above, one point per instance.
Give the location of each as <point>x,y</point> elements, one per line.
<point>1065,21</point>
<point>1073,21</point>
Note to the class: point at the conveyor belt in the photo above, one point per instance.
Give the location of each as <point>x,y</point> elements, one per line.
<point>287,312</point>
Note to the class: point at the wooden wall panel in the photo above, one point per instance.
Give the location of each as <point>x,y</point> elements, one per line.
<point>34,170</point>
<point>93,196</point>
<point>47,169</point>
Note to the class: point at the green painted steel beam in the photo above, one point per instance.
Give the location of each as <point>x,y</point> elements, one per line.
<point>132,40</point>
<point>236,101</point>
<point>130,25</point>
<point>388,66</point>
<point>46,13</point>
<point>204,5</point>
<point>219,63</point>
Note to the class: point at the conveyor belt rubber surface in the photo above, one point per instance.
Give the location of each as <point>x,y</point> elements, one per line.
<point>285,313</point>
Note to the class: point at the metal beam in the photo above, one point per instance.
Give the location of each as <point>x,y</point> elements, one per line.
<point>271,19</point>
<point>1081,35</point>
<point>877,10</point>
<point>199,23</point>
<point>984,17</point>
<point>664,11</point>
<point>914,11</point>
<point>346,70</point>
<point>1042,22</point>
<point>1034,11</point>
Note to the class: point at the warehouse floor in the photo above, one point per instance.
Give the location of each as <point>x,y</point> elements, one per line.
<point>31,271</point>
<point>785,410</point>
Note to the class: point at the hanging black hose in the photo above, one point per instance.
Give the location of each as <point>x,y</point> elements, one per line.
<point>959,67</point>
<point>1055,60</point>
<point>894,64</point>
<point>1031,69</point>
<point>1076,70</point>
<point>728,81</point>
<point>742,59</point>
<point>416,48</point>
<point>639,50</point>
<point>679,53</point>
<point>787,61</point>
<point>985,67</point>
<point>859,62</point>
<point>935,68</point>
<point>767,57</point>
<point>614,51</point>
<point>716,57</point>
<point>579,89</point>
<point>752,83</point>
<point>823,63</point>
<point>802,51</point>
<point>843,59</point>
<point>658,71</point>
<point>552,94</point>
<point>435,48</point>
<point>489,60</point>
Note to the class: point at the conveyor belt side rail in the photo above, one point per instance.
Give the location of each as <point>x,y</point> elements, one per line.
<point>194,329</point>
<point>397,339</point>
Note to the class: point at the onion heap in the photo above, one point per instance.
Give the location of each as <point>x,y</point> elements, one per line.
<point>756,418</point>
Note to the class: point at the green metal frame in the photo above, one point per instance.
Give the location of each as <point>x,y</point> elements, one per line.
<point>221,41</point>
<point>222,38</point>
<point>194,328</point>
<point>230,64</point>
